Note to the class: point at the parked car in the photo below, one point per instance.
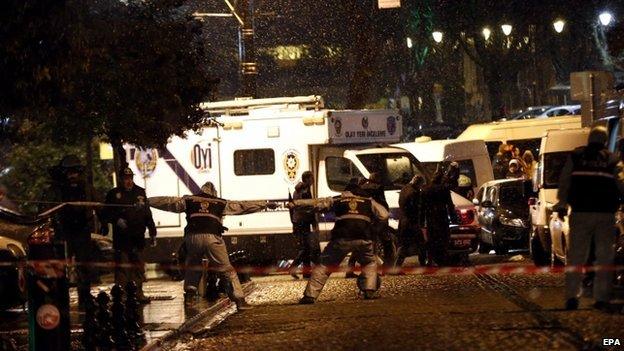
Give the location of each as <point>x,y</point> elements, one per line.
<point>564,110</point>
<point>12,278</point>
<point>15,230</point>
<point>503,213</point>
<point>530,112</point>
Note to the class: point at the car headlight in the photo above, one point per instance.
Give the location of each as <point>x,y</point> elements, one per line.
<point>512,222</point>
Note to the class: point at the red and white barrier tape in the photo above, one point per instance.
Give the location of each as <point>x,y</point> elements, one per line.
<point>56,265</point>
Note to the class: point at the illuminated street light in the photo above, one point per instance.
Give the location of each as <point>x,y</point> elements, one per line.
<point>409,43</point>
<point>486,33</point>
<point>506,29</point>
<point>559,24</point>
<point>437,36</point>
<point>605,18</point>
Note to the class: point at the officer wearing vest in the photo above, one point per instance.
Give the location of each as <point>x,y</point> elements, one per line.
<point>355,213</point>
<point>129,224</point>
<point>591,185</point>
<point>202,236</point>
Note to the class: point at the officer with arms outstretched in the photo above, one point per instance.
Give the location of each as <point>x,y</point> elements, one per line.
<point>591,184</point>
<point>354,212</point>
<point>202,236</point>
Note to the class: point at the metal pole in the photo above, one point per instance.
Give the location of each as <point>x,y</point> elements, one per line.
<point>247,52</point>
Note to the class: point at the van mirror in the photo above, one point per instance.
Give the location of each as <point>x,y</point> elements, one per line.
<point>487,203</point>
<point>475,202</point>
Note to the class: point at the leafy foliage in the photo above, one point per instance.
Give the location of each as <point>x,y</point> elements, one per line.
<point>71,71</point>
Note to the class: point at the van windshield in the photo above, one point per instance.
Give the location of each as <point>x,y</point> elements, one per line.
<point>553,164</point>
<point>396,168</point>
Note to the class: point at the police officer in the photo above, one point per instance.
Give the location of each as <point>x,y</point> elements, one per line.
<point>374,188</point>
<point>439,211</point>
<point>304,223</point>
<point>410,236</point>
<point>73,224</point>
<point>352,233</point>
<point>129,223</point>
<point>591,185</point>
<point>202,236</point>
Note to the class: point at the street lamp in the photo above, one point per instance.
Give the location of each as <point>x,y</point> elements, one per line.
<point>506,29</point>
<point>437,36</point>
<point>558,25</point>
<point>486,33</point>
<point>409,43</point>
<point>605,18</point>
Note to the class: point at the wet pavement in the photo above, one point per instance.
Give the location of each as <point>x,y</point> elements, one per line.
<point>164,314</point>
<point>424,312</point>
<point>450,312</point>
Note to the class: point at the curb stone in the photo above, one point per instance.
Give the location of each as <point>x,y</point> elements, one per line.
<point>212,311</point>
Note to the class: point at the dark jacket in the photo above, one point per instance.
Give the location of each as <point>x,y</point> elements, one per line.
<point>72,223</point>
<point>410,211</point>
<point>302,216</point>
<point>377,192</point>
<point>438,207</point>
<point>591,180</point>
<point>136,214</point>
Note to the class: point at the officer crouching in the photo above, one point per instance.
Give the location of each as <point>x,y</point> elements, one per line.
<point>354,212</point>
<point>203,237</point>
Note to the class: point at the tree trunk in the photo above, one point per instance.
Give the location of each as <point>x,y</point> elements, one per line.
<point>119,157</point>
<point>89,169</point>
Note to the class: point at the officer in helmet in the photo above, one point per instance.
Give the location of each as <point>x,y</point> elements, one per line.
<point>73,224</point>
<point>129,222</point>
<point>355,212</point>
<point>591,186</point>
<point>203,236</point>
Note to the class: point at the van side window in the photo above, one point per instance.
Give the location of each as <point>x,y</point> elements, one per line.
<point>339,172</point>
<point>254,162</point>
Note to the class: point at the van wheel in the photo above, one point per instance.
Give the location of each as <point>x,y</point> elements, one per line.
<point>538,254</point>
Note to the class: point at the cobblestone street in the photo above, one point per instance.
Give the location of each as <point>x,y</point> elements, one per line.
<point>474,312</point>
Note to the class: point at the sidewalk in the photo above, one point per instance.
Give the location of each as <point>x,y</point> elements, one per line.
<point>165,317</point>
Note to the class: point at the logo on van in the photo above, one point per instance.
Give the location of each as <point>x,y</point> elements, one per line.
<point>291,162</point>
<point>391,125</point>
<point>146,161</point>
<point>365,122</point>
<point>337,126</point>
<point>201,156</point>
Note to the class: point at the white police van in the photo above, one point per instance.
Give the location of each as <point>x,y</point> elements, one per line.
<point>257,149</point>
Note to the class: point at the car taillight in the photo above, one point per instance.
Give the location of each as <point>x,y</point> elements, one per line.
<point>42,235</point>
<point>465,216</point>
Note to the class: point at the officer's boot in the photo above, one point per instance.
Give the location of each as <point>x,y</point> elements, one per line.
<point>143,300</point>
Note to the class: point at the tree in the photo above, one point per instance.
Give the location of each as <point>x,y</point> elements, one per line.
<point>128,72</point>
